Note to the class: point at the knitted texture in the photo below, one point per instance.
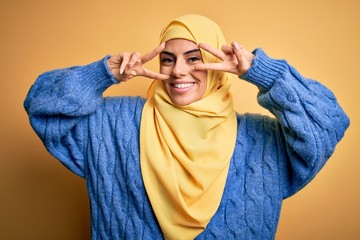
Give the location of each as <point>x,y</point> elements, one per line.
<point>98,139</point>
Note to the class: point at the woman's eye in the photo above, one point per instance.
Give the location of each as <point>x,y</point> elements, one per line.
<point>194,59</point>
<point>167,61</point>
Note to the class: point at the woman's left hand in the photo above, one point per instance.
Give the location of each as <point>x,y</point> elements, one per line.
<point>234,59</point>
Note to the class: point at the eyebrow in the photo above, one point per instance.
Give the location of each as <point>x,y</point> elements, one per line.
<point>187,52</point>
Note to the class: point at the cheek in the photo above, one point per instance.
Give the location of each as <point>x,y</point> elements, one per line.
<point>200,76</point>
<point>165,70</point>
<point>203,78</point>
<point>167,86</point>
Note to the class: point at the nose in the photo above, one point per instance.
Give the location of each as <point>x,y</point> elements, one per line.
<point>180,69</point>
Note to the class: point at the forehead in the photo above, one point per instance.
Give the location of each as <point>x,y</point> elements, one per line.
<point>179,45</point>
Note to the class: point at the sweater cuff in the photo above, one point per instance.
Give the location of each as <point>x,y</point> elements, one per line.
<point>264,70</point>
<point>97,76</point>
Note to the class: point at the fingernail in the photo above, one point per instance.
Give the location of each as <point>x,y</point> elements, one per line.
<point>236,46</point>
<point>121,71</point>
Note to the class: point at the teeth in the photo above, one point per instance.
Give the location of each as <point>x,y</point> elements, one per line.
<point>183,85</point>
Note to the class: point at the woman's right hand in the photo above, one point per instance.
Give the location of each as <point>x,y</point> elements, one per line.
<point>124,66</point>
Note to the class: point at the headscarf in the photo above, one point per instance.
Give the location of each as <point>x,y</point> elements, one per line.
<point>185,151</point>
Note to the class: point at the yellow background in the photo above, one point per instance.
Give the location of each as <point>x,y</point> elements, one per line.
<point>40,199</point>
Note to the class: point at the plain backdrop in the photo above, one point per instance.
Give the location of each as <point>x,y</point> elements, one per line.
<point>41,199</point>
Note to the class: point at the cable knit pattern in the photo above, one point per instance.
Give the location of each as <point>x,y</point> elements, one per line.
<point>98,139</point>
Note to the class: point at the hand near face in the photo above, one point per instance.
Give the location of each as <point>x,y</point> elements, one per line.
<point>234,59</point>
<point>125,66</point>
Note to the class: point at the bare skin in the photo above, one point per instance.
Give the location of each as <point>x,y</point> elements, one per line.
<point>181,68</point>
<point>178,60</point>
<point>125,66</point>
<point>235,59</point>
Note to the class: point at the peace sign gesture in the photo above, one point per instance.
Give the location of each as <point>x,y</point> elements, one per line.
<point>125,65</point>
<point>234,59</point>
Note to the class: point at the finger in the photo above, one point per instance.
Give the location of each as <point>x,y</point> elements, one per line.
<point>135,56</point>
<point>239,52</point>
<point>150,55</point>
<point>133,59</point>
<point>154,75</point>
<point>227,49</point>
<point>239,48</point>
<point>124,62</point>
<point>209,66</point>
<point>127,78</point>
<point>216,52</point>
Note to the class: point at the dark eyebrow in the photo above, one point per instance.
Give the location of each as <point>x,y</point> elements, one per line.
<point>187,52</point>
<point>191,51</point>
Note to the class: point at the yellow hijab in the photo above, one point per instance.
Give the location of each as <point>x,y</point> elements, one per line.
<point>185,151</point>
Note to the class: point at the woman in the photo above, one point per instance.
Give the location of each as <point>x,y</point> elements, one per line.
<point>182,164</point>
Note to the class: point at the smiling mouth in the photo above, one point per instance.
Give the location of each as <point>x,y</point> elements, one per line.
<point>182,85</point>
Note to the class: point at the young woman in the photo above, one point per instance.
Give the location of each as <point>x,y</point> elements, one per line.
<point>182,164</point>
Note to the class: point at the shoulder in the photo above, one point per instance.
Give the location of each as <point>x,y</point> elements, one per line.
<point>256,126</point>
<point>124,104</point>
<point>123,107</point>
<point>254,120</point>
<point>125,101</point>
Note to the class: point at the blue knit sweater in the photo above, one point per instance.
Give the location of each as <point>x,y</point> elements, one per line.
<point>98,139</point>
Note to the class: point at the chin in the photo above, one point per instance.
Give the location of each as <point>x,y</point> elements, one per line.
<point>182,102</point>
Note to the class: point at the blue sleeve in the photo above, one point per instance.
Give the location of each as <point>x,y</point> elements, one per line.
<point>58,105</point>
<point>310,120</point>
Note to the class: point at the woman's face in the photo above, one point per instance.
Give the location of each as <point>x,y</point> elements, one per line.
<point>177,60</point>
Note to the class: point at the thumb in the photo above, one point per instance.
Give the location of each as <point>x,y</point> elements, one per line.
<point>238,50</point>
<point>243,63</point>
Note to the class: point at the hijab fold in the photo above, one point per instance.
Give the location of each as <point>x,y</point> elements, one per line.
<point>185,151</point>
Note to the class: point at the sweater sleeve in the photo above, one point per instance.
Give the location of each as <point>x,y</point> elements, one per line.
<point>311,122</point>
<point>58,105</point>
